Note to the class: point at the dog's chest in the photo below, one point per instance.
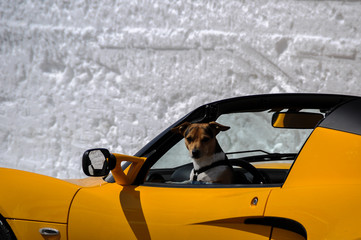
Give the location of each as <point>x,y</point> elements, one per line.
<point>212,175</point>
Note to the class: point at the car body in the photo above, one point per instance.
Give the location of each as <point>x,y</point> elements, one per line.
<point>307,147</point>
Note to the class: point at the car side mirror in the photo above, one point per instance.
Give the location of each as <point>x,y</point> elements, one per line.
<point>98,162</point>
<point>300,120</point>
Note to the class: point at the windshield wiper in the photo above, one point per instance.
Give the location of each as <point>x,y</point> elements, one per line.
<point>249,151</point>
<point>265,157</point>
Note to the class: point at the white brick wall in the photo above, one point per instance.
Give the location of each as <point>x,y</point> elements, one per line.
<point>82,74</point>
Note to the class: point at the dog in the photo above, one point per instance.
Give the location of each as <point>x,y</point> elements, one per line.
<point>210,163</point>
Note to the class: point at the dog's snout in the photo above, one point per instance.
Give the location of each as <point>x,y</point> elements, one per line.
<point>196,153</point>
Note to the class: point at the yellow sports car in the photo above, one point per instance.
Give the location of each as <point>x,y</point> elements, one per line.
<point>295,161</point>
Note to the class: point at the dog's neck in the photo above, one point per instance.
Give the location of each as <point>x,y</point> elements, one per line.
<point>208,160</point>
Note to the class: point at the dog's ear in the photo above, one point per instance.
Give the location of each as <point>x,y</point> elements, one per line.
<point>216,127</point>
<point>181,128</point>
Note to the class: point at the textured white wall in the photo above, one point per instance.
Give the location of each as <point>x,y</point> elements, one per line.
<point>81,74</point>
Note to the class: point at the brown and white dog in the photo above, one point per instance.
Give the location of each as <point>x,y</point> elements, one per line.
<point>210,163</point>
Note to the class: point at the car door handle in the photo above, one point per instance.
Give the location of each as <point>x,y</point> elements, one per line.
<point>47,232</point>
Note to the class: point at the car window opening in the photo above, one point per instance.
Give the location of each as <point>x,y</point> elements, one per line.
<point>259,153</point>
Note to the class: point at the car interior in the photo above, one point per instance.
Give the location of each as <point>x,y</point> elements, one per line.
<point>244,172</point>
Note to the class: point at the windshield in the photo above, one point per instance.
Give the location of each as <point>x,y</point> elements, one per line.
<point>253,131</point>
<point>250,134</point>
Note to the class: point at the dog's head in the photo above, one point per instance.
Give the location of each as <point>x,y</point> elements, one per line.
<point>200,138</point>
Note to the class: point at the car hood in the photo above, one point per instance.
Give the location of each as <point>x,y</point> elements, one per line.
<point>30,196</point>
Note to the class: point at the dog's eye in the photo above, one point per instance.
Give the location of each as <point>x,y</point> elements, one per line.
<point>189,139</point>
<point>206,139</point>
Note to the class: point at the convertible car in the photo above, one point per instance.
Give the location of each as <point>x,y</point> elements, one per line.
<point>296,160</point>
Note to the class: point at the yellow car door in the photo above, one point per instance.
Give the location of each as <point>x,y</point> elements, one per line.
<point>112,211</point>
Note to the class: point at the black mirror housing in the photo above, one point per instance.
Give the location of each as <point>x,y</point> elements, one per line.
<point>98,162</point>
